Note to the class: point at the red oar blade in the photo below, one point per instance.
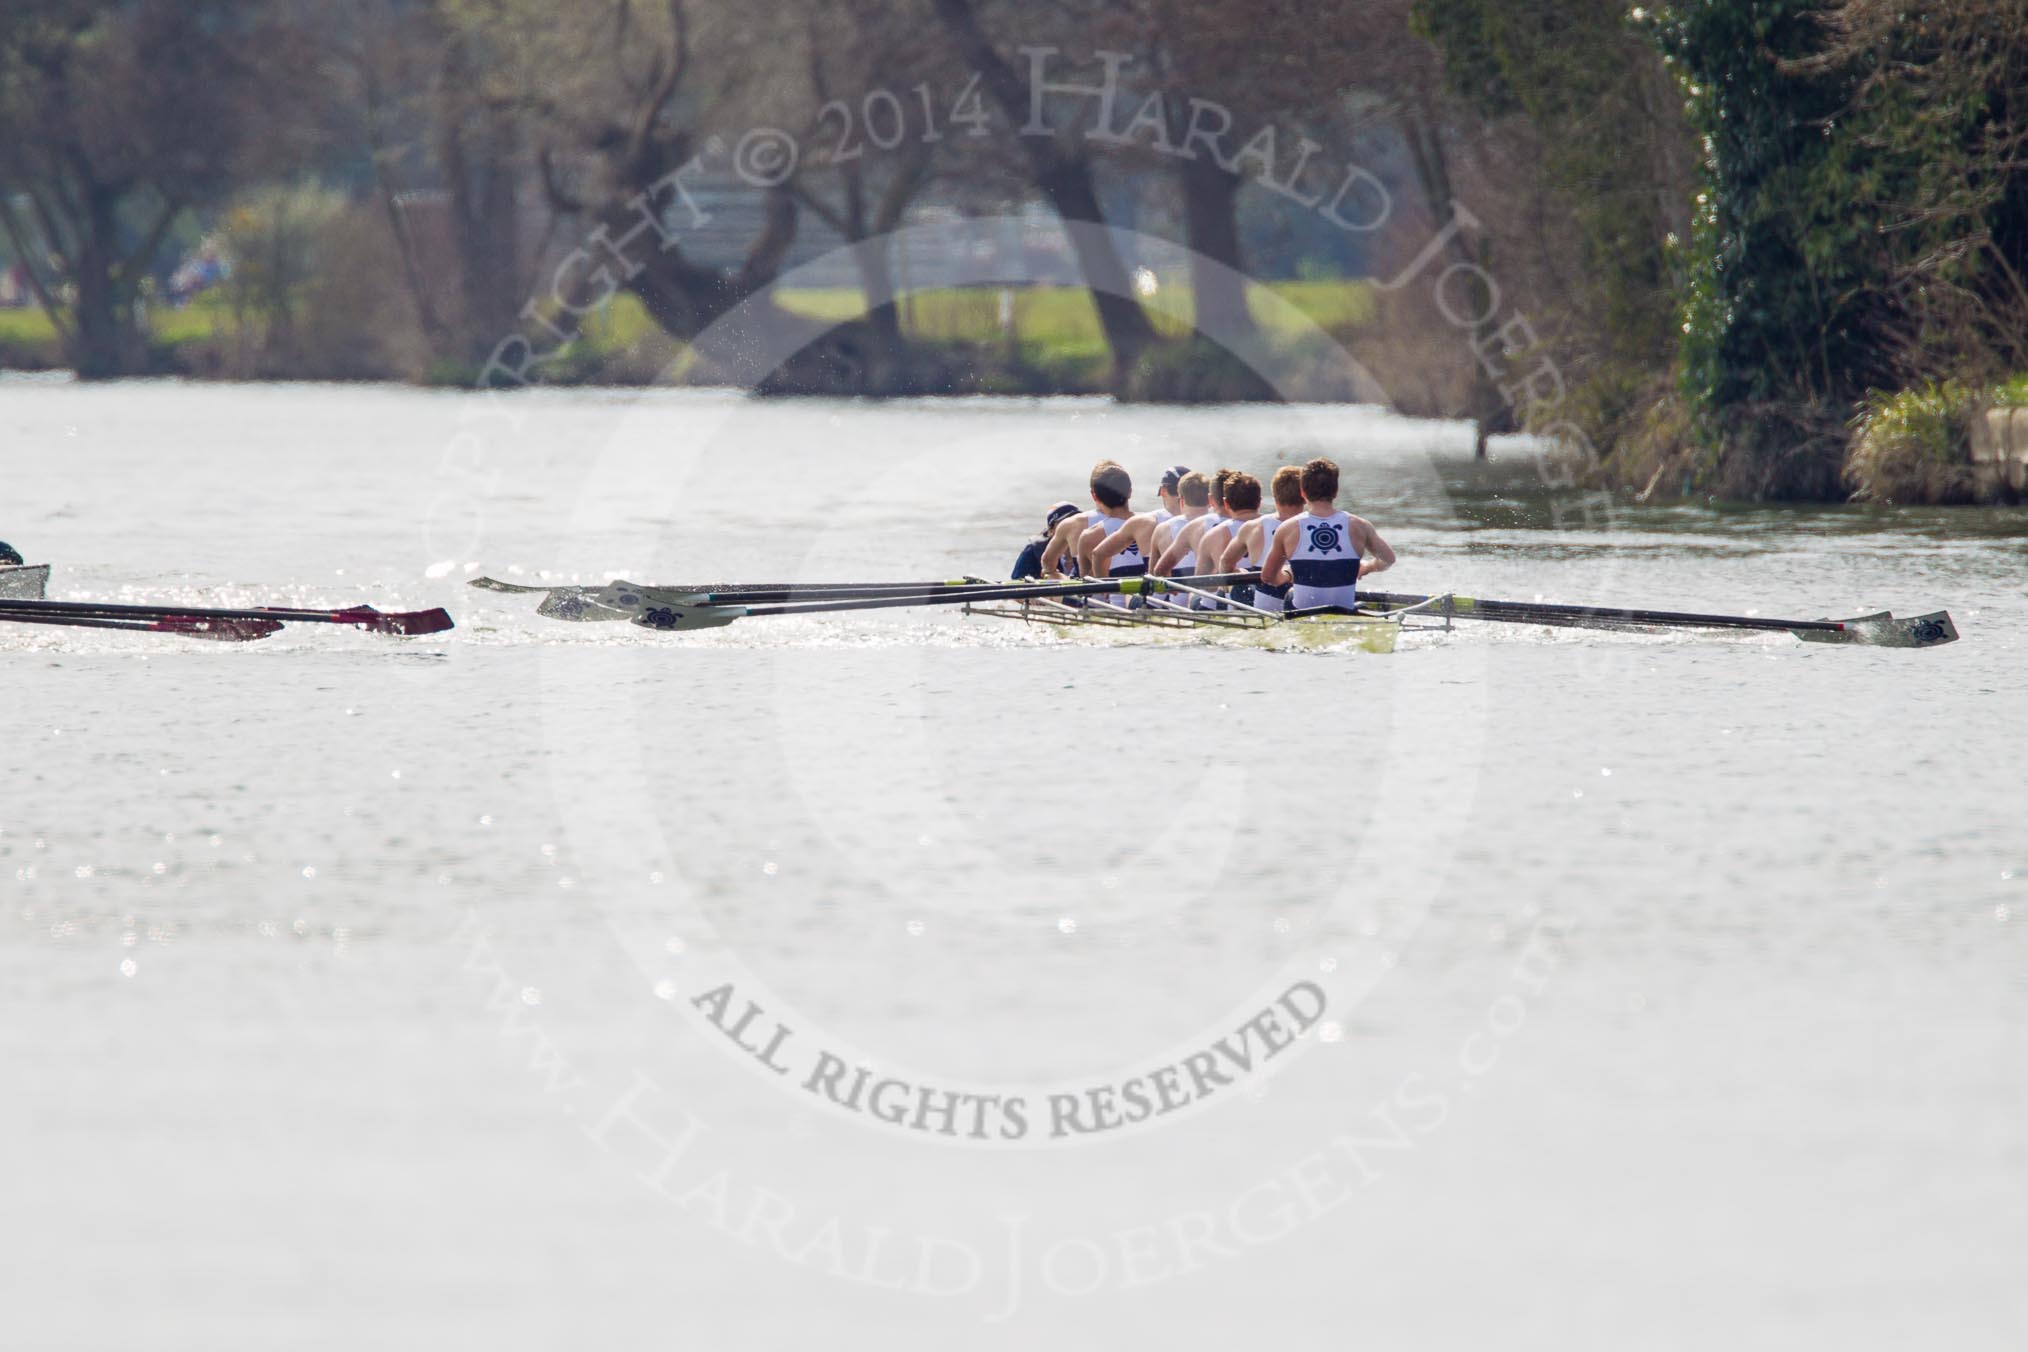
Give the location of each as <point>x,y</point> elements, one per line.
<point>405,622</point>
<point>408,622</point>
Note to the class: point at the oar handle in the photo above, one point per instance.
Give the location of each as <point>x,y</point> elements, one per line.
<point>188,626</point>
<point>360,617</point>
<point>1468,606</point>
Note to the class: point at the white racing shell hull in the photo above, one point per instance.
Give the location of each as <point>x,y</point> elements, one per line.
<point>23,582</point>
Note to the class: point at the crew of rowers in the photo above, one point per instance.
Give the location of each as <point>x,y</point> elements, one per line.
<point>1310,555</point>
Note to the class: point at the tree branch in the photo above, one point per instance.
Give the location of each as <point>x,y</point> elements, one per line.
<point>138,259</point>
<point>16,236</point>
<point>552,186</point>
<point>669,74</point>
<point>764,261</point>
<point>909,177</point>
<point>380,154</point>
<point>53,237</point>
<point>826,213</point>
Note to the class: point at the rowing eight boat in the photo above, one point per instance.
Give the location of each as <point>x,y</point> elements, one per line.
<point>1171,605</point>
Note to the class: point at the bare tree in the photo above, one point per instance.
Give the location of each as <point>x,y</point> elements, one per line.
<point>1950,186</point>
<point>1062,170</point>
<point>621,109</point>
<point>1205,62</point>
<point>875,157</point>
<point>1368,60</point>
<point>452,155</point>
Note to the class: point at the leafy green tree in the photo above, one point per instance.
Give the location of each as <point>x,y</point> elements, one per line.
<point>1778,262</point>
<point>1859,223</point>
<point>116,116</point>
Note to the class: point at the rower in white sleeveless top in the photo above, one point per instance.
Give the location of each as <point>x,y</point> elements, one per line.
<point>1221,545</point>
<point>1115,552</point>
<point>1178,557</point>
<point>1141,529</point>
<point>1322,551</point>
<point>1109,546</point>
<point>1069,549</point>
<point>1193,495</point>
<point>1247,553</point>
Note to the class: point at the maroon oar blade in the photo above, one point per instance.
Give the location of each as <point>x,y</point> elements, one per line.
<point>408,622</point>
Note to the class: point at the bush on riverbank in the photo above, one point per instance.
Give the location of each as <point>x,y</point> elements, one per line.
<point>28,341</point>
<point>1914,447</point>
<point>1906,448</point>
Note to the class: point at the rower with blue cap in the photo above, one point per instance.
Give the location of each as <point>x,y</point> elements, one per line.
<point>1168,494</point>
<point>1029,564</point>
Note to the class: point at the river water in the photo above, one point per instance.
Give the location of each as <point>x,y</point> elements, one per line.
<point>811,980</point>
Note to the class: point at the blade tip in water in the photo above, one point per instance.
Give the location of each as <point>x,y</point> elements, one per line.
<point>683,619</point>
<point>1887,630</point>
<point>1930,631</point>
<point>420,622</point>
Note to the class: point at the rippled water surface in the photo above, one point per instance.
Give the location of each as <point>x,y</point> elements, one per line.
<point>355,989</point>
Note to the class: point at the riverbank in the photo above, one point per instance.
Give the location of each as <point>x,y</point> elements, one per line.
<point>1937,445</point>
<point>1949,443</point>
<point>1051,330</point>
